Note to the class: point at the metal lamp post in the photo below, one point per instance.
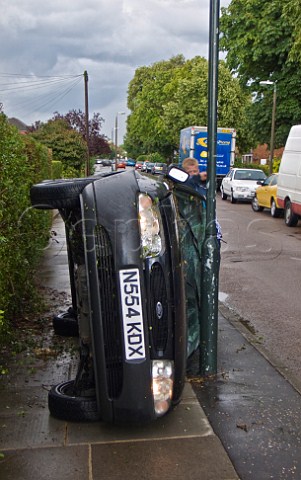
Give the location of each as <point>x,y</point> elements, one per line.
<point>269,82</point>
<point>116,139</point>
<point>210,251</point>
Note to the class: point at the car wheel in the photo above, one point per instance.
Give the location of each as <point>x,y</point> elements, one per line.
<point>275,212</point>
<point>58,194</point>
<point>65,405</point>
<point>290,218</point>
<point>224,196</point>
<point>255,205</point>
<point>233,200</point>
<point>65,324</point>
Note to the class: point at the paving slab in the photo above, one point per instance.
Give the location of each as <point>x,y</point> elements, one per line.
<point>36,446</point>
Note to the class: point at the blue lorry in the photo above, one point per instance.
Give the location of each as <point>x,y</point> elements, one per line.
<point>193,143</point>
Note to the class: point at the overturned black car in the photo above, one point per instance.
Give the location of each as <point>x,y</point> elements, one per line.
<point>134,258</point>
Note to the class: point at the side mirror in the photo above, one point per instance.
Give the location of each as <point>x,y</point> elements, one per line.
<point>177,174</point>
<point>260,182</point>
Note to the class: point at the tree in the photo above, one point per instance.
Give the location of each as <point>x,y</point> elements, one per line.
<point>292,14</point>
<point>98,143</point>
<point>170,95</point>
<point>259,40</point>
<point>67,145</point>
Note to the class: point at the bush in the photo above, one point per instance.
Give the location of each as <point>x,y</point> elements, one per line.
<point>56,169</point>
<point>24,230</point>
<point>239,164</point>
<point>143,158</point>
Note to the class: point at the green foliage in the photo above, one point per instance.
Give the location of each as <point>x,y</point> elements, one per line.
<point>24,230</point>
<point>170,95</point>
<point>57,169</point>
<point>76,119</point>
<point>239,164</point>
<point>67,145</point>
<point>142,158</point>
<point>262,39</point>
<point>292,14</point>
<point>156,158</point>
<point>5,331</point>
<point>276,165</point>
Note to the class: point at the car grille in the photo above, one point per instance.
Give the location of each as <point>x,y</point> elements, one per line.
<point>158,309</point>
<point>109,312</point>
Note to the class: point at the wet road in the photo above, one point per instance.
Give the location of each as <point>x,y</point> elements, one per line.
<point>260,280</point>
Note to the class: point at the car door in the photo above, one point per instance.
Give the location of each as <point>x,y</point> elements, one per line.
<point>264,193</point>
<point>227,182</point>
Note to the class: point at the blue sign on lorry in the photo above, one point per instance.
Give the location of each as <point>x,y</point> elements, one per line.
<point>193,143</point>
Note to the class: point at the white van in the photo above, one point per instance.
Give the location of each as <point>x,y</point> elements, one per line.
<point>289,178</point>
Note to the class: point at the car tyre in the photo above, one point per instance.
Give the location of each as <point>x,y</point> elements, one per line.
<point>275,212</point>
<point>65,324</point>
<point>233,200</point>
<point>58,194</point>
<point>290,218</point>
<point>223,195</point>
<point>65,405</point>
<point>255,205</point>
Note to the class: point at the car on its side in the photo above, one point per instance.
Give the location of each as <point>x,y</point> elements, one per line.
<point>266,196</point>
<point>241,183</point>
<point>159,168</point>
<point>135,280</point>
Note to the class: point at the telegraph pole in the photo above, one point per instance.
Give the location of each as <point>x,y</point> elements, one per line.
<point>87,122</point>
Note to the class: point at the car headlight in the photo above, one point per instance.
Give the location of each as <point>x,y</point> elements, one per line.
<point>149,220</point>
<point>162,385</point>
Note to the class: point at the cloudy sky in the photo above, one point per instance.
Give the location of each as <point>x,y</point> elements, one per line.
<point>45,47</point>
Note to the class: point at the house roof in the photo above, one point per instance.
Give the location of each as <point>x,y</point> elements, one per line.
<point>21,126</point>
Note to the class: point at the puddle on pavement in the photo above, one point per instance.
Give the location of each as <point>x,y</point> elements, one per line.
<point>222,296</point>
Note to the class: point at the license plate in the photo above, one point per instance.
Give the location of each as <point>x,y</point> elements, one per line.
<point>131,304</point>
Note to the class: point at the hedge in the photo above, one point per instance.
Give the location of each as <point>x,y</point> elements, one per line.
<point>23,230</point>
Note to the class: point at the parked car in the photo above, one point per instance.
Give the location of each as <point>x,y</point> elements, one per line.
<point>99,161</point>
<point>149,167</point>
<point>289,180</point>
<point>138,317</point>
<point>144,165</point>
<point>241,183</point>
<point>130,162</point>
<point>107,162</point>
<point>121,165</point>
<point>266,196</point>
<point>159,168</point>
<point>138,166</point>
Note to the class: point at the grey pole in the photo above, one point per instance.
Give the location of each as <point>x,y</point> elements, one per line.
<point>210,253</point>
<point>87,123</point>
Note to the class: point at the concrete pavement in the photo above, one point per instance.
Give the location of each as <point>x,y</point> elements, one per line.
<point>35,446</point>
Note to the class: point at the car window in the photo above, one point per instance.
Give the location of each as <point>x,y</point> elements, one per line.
<point>274,180</point>
<point>249,175</point>
<point>267,181</point>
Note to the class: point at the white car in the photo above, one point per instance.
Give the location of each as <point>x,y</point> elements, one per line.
<point>241,183</point>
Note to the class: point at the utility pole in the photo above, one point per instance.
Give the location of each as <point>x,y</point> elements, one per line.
<point>210,251</point>
<point>87,122</point>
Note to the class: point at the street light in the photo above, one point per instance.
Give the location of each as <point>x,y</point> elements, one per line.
<point>269,82</point>
<point>114,165</point>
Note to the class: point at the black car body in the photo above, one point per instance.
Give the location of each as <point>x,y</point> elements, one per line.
<point>125,232</point>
